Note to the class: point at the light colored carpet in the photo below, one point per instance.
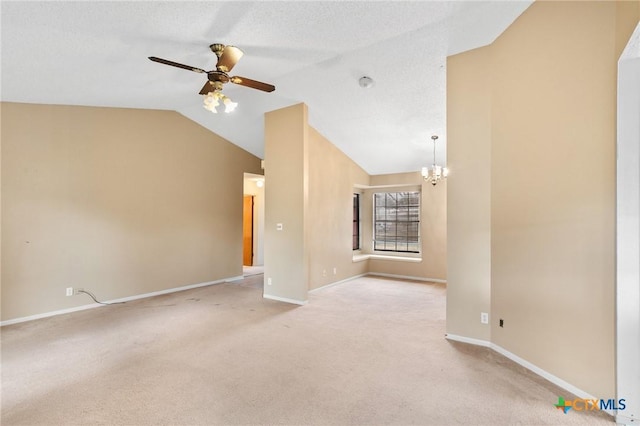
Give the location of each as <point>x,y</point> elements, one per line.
<point>369,351</point>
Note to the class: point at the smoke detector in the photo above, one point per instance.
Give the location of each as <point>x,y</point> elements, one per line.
<point>365,82</point>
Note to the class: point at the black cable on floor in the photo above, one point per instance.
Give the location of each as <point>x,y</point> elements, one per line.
<point>96,300</point>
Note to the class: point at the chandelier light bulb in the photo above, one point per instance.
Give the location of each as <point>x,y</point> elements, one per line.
<point>229,105</point>
<point>211,102</point>
<point>211,99</point>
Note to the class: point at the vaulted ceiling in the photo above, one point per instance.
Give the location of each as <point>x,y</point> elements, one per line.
<point>95,53</point>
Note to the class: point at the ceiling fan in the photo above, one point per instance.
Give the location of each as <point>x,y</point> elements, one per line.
<point>228,56</point>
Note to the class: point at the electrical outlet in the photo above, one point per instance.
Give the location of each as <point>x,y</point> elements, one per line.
<point>324,272</point>
<point>269,281</point>
<point>69,291</point>
<point>335,270</point>
<point>501,322</point>
<point>484,318</point>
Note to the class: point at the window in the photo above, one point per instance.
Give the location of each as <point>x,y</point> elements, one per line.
<point>356,222</point>
<point>397,222</point>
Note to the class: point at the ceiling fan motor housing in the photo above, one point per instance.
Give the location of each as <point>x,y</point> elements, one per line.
<point>218,76</point>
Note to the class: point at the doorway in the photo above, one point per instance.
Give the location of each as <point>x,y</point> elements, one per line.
<point>253,222</point>
<point>247,230</point>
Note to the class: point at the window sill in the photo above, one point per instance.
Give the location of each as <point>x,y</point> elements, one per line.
<point>363,257</point>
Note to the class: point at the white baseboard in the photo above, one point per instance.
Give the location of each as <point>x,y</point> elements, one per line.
<point>469,340</point>
<point>529,366</point>
<point>232,279</point>
<point>285,299</point>
<point>48,314</point>
<point>545,374</point>
<point>336,283</point>
<point>124,299</point>
<point>407,277</point>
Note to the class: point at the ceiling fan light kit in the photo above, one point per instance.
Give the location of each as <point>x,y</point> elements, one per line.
<point>437,173</point>
<point>228,57</point>
<point>212,100</point>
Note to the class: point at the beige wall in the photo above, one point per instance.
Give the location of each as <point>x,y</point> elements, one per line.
<point>117,201</point>
<point>286,200</point>
<point>552,125</point>
<point>127,202</point>
<point>433,227</point>
<point>469,195</point>
<point>332,176</point>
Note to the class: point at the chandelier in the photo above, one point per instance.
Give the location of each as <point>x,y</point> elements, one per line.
<point>213,99</point>
<point>436,173</point>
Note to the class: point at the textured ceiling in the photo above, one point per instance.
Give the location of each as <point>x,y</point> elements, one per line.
<point>95,53</point>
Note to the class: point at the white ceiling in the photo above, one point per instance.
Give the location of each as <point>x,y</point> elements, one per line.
<point>95,53</point>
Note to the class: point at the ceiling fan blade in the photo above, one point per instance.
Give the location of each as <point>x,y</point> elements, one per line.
<point>208,87</point>
<point>230,56</point>
<point>175,64</point>
<point>247,82</point>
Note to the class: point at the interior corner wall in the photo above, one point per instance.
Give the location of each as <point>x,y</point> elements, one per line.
<point>469,194</point>
<point>121,202</point>
<point>552,102</point>
<point>286,252</point>
<point>628,232</point>
<point>433,228</point>
<point>332,177</point>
